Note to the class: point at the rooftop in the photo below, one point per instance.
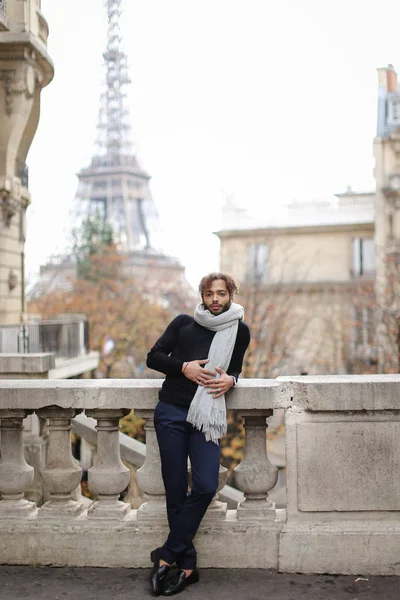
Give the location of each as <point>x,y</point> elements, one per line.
<point>349,208</point>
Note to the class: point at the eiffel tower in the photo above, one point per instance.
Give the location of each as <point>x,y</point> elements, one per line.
<point>115,185</point>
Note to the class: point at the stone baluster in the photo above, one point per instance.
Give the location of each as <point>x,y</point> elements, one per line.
<point>108,476</point>
<point>15,474</point>
<point>149,475</point>
<point>61,474</point>
<point>255,476</point>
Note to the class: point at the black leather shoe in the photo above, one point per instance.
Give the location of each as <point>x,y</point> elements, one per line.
<point>158,573</point>
<point>179,582</point>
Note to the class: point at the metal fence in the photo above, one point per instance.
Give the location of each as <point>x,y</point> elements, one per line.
<point>22,171</point>
<point>67,338</point>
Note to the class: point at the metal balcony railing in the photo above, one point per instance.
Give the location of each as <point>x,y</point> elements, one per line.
<point>66,338</point>
<point>22,171</point>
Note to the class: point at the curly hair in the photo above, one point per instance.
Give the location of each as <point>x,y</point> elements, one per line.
<point>208,279</point>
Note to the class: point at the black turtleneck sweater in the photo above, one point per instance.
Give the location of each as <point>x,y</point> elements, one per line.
<point>185,340</point>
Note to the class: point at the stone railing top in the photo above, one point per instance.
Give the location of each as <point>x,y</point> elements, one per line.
<point>341,392</point>
<point>27,363</point>
<point>121,393</point>
<point>313,393</point>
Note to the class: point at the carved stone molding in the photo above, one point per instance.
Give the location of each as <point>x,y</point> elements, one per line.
<point>394,141</point>
<point>7,77</point>
<point>12,280</point>
<point>9,207</point>
<point>15,83</point>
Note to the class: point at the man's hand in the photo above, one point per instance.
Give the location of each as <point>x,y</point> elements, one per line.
<point>195,372</point>
<point>219,387</point>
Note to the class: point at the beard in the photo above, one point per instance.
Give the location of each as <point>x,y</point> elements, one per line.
<point>224,308</point>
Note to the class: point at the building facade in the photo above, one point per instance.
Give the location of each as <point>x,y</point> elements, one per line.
<point>387,222</point>
<point>25,68</point>
<point>298,274</point>
<point>327,273</point>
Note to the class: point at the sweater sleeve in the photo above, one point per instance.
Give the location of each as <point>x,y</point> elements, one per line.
<point>241,345</point>
<point>159,358</point>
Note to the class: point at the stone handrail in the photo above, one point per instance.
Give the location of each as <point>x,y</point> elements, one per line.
<point>342,463</point>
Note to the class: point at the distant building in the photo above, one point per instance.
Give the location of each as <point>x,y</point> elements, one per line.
<point>333,264</point>
<point>305,264</point>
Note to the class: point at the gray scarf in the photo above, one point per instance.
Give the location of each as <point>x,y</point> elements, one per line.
<point>206,413</point>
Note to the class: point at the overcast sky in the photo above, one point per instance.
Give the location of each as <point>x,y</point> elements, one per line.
<point>266,101</point>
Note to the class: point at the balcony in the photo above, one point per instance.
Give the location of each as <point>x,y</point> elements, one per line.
<point>342,465</point>
<point>42,27</point>
<point>66,337</point>
<point>4,25</point>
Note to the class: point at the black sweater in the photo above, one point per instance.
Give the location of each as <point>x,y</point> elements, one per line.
<point>185,340</point>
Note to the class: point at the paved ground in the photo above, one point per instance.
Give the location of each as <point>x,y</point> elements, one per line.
<point>52,583</point>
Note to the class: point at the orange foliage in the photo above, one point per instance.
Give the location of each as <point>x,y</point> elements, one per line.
<point>118,307</point>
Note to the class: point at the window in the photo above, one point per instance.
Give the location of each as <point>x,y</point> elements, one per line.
<point>257,262</point>
<point>100,185</point>
<point>363,256</point>
<point>363,327</point>
<point>394,110</point>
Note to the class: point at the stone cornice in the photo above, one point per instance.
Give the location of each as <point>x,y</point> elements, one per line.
<point>295,229</point>
<point>13,45</point>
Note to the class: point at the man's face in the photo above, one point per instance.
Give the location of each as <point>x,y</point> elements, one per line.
<point>216,297</point>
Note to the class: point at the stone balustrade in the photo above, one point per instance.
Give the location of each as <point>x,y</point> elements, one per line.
<point>342,462</point>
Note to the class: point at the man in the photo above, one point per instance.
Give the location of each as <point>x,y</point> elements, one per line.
<point>202,358</point>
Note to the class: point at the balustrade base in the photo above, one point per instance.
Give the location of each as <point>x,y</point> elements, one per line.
<point>256,509</point>
<point>127,544</point>
<point>63,509</point>
<point>109,509</point>
<point>215,512</point>
<point>16,509</point>
<point>340,547</point>
<point>153,509</point>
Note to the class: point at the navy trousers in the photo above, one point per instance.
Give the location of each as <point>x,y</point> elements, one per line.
<point>179,440</point>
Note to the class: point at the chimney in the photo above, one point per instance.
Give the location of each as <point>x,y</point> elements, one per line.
<point>387,79</point>
<point>392,84</point>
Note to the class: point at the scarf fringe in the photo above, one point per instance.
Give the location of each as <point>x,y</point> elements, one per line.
<point>213,426</point>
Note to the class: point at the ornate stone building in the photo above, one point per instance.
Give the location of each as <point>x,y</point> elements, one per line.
<point>25,68</point>
<point>387,220</point>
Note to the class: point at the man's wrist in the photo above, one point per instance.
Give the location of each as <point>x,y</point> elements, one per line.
<point>234,380</point>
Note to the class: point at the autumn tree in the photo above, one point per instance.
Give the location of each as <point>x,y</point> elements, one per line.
<point>89,240</point>
<point>125,314</point>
